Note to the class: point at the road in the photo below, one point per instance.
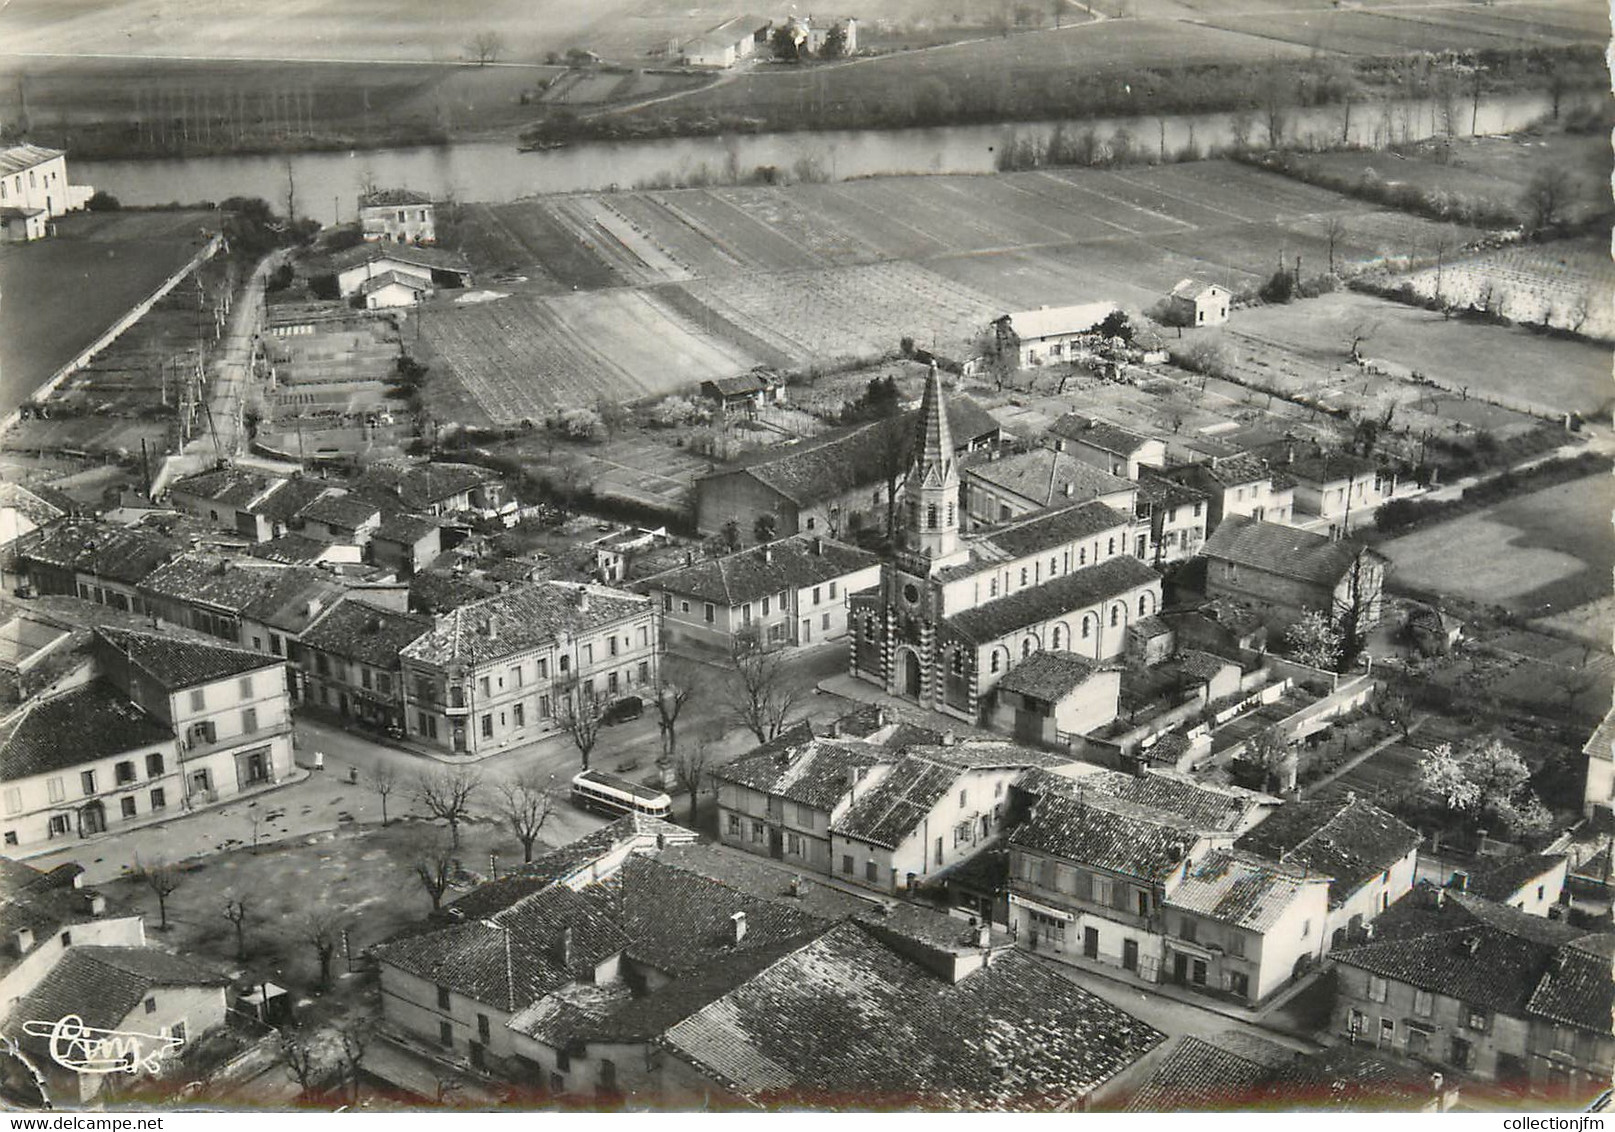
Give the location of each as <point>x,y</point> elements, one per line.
<point>232,370</point>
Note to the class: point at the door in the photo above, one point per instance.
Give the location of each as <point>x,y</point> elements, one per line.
<point>776,843</point>
<point>92,820</point>
<point>342,703</point>
<point>1028,726</point>
<point>1180,968</point>
<point>911,675</point>
<point>1090,943</point>
<point>807,630</point>
<point>1130,954</point>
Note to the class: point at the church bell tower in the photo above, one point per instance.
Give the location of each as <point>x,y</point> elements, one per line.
<point>931,492</point>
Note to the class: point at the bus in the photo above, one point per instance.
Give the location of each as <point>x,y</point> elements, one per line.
<point>607,794</point>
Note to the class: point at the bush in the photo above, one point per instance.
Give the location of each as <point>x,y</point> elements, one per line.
<point>324,287</point>
<point>280,278</point>
<point>103,201</point>
<point>1280,288</point>
<point>582,424</point>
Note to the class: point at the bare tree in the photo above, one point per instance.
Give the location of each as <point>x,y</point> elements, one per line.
<point>322,930</point>
<point>255,818</point>
<point>384,780</point>
<point>485,47</point>
<point>1334,231</point>
<point>162,878</point>
<point>670,700</point>
<point>582,717</point>
<point>236,909</point>
<point>1357,603</point>
<point>525,803</point>
<point>762,691</point>
<point>302,1063</point>
<point>1358,332</point>
<point>353,1039</point>
<point>1396,708</point>
<point>435,868</point>
<point>1545,196</point>
<point>447,795</point>
<point>690,769</point>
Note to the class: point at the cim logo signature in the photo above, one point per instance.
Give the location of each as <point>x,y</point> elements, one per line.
<point>85,1049</point>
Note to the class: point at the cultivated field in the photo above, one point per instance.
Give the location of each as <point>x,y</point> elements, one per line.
<point>1569,284</point>
<point>61,294</point>
<point>1555,375</point>
<point>1540,554</point>
<point>788,276</point>
<point>522,356</point>
<point>1388,32</point>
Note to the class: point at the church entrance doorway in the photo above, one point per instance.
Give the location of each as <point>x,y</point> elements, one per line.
<point>911,675</point>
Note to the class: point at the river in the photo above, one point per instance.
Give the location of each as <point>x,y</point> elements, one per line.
<point>326,184</point>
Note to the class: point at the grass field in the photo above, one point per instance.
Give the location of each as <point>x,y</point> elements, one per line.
<point>788,276</point>
<point>62,293</point>
<point>1555,374</point>
<point>1386,31</point>
<point>1545,551</point>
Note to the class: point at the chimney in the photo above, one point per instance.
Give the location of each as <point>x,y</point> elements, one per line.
<point>314,606</point>
<point>739,921</point>
<point>689,558</point>
<point>1460,881</point>
<point>95,902</point>
<point>491,630</point>
<point>834,731</point>
<point>583,599</point>
<point>1059,444</point>
<point>852,777</point>
<point>563,948</point>
<point>768,554</point>
<point>984,936</point>
<point>818,546</point>
<point>949,738</point>
<point>799,886</point>
<point>880,715</point>
<point>24,940</point>
<point>1070,489</point>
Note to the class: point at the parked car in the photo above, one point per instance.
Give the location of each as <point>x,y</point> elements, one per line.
<point>621,711</point>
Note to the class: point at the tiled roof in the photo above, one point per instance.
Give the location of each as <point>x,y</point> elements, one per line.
<point>17,158</point>
<point>290,549</point>
<point>1224,472</point>
<point>845,1022</point>
<point>755,573</point>
<point>1352,841</point>
<point>1153,793</point>
<point>1479,965</point>
<point>1501,878</point>
<point>1241,889</point>
<point>1132,846</point>
<point>1191,289</point>
<point>524,617</point>
<point>1101,434</point>
<point>1199,1076</point>
<point>1048,675</point>
<point>1202,666</point>
<point>763,878</point>
<point>1601,743</point>
<point>435,259</point>
<point>176,663</point>
<point>1046,477</point>
<point>738,385</point>
<point>1049,322</point>
<point>1041,531</point>
<point>830,465</point>
<point>894,808</point>
<point>119,554</point>
<point>1080,590</point>
<point>439,591</point>
<point>1317,467</point>
<point>802,769</point>
<point>290,497</point>
<point>411,279</point>
<point>90,722</point>
<point>417,487</point>
<point>1155,487</point>
<point>382,198</point>
<point>348,512</point>
<point>1577,988</point>
<point>43,902</point>
<point>37,504</point>
<point>228,487</point>
<point>405,529</point>
<point>1289,552</point>
<point>278,596</point>
<point>103,985</point>
<point>367,633</point>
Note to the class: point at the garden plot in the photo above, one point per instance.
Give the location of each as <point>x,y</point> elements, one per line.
<point>1569,285</point>
<point>523,356</point>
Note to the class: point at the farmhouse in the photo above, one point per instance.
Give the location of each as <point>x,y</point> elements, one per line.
<point>508,669</point>
<point>997,487</point>
<point>834,484</point>
<point>1337,491</point>
<point>1194,303</point>
<point>1107,446</point>
<point>727,44</point>
<point>394,289</point>
<point>954,612</point>
<point>1047,335</point>
<point>34,190</point>
<point>355,266</point>
<point>745,393</point>
<point>1486,990</point>
<point>1283,573</point>
<point>400,216</point>
<point>790,592</point>
<point>1238,485</point>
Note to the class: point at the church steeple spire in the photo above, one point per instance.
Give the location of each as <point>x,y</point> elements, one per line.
<point>932,489</point>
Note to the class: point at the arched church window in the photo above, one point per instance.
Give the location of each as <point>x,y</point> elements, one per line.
<point>930,516</point>
<point>1054,641</point>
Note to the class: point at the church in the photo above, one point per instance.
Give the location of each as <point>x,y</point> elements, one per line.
<point>954,613</point>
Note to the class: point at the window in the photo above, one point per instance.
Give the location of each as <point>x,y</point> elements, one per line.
<point>1239,983</point>
<point>56,790</point>
<point>707,612</point>
<point>757,831</point>
<point>1115,615</point>
<point>484,1030</point>
<point>1306,928</point>
<point>519,713</point>
<point>198,699</point>
<point>846,862</point>
<point>159,798</point>
<point>67,939</point>
<point>246,687</point>
<point>1087,626</point>
<point>1423,1003</point>
<point>1236,945</point>
<point>869,871</point>
<point>445,1033</point>
<point>667,603</point>
<point>993,665</point>
<point>124,772</point>
<point>543,668</point>
<point>1476,1019</point>
<point>487,726</point>
<point>274,644</point>
<point>13,800</point>
<point>1023,575</point>
<point>684,607</point>
<point>249,720</point>
<point>484,687</point>
<point>127,807</point>
<point>824,621</point>
<point>564,664</point>
<point>543,707</point>
<point>1199,973</point>
<point>1026,647</point>
<point>745,614</point>
<point>442,998</point>
<point>832,591</point>
<point>734,825</point>
<point>87,781</point>
<point>963,795</point>
<point>1376,988</point>
<point>1186,929</point>
<point>1111,547</point>
<point>611,644</point>
<point>59,825</point>
<point>1054,641</point>
<point>611,683</point>
<point>563,1061</point>
<point>154,765</point>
